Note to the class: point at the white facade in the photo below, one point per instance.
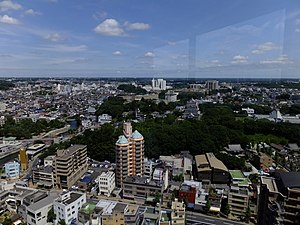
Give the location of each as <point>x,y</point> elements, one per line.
<point>161,174</point>
<point>67,205</point>
<point>37,213</point>
<point>148,167</point>
<point>107,183</point>
<point>159,85</point>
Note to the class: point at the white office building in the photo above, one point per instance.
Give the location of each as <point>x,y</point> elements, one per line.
<point>107,183</point>
<point>67,205</point>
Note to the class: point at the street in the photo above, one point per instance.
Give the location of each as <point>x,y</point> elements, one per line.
<point>197,219</point>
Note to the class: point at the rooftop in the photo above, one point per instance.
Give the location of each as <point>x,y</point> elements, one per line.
<point>136,135</point>
<point>236,174</point>
<point>207,161</point>
<point>270,182</point>
<point>42,203</point>
<point>122,140</point>
<point>290,179</point>
<point>88,208</point>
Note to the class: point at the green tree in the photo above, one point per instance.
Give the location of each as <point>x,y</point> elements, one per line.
<point>247,214</point>
<point>51,215</point>
<point>62,222</point>
<point>254,178</point>
<point>207,206</point>
<point>7,221</point>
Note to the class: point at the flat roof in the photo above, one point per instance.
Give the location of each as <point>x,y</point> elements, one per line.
<point>236,174</point>
<point>42,203</point>
<point>36,146</point>
<point>270,182</point>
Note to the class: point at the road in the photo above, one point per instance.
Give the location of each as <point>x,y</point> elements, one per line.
<point>201,219</point>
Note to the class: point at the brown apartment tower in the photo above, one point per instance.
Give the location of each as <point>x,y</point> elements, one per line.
<point>69,165</point>
<point>129,154</point>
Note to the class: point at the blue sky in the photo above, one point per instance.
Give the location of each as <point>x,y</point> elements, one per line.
<point>150,38</point>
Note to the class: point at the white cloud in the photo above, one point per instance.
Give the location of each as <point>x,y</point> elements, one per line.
<point>297,21</point>
<point>109,27</point>
<point>149,54</point>
<point>239,59</point>
<point>9,5</point>
<point>136,26</point>
<point>297,30</point>
<point>117,53</point>
<point>283,59</point>
<point>32,12</point>
<point>55,37</point>
<point>64,48</point>
<point>9,20</point>
<point>265,47</point>
<point>58,61</point>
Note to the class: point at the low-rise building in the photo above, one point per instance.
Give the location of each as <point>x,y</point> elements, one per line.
<point>43,177</point>
<point>12,169</point>
<point>37,213</point>
<point>67,205</point>
<point>107,183</point>
<point>178,212</point>
<point>141,187</point>
<point>212,169</point>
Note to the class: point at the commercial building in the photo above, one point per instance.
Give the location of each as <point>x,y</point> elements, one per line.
<point>129,154</point>
<point>210,168</point>
<point>141,187</point>
<point>12,169</point>
<point>106,183</point>
<point>69,166</point>
<point>67,205</point>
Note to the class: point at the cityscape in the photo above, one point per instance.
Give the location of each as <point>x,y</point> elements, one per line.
<point>155,112</point>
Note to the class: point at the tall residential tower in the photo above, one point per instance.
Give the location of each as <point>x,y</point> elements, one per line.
<point>129,154</point>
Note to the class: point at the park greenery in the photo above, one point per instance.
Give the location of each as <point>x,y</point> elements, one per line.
<point>26,128</point>
<point>217,128</point>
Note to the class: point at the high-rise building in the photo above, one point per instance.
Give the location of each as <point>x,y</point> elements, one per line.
<point>69,165</point>
<point>23,159</point>
<point>159,85</point>
<point>212,85</point>
<point>129,154</point>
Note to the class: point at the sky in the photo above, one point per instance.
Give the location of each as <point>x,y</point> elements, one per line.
<point>150,38</point>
